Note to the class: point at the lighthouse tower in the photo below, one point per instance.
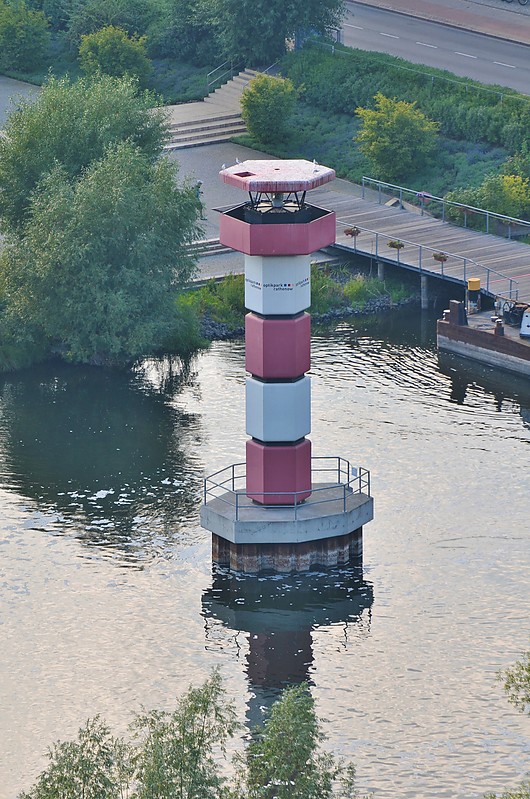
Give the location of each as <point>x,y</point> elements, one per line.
<point>270,513</point>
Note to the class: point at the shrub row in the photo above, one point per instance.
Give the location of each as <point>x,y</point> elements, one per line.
<point>341,83</point>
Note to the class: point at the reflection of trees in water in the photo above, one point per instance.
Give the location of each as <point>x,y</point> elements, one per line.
<point>104,449</point>
<point>277,615</point>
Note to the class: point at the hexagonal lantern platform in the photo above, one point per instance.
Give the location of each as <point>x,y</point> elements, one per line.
<point>271,513</point>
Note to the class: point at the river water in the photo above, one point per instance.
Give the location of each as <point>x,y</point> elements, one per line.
<point>108,600</point>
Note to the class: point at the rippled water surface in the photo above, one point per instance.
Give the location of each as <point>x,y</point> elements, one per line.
<point>108,600</point>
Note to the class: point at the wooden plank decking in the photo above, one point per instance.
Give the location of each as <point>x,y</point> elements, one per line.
<point>494,259</point>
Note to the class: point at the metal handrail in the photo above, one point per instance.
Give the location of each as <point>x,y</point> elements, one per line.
<point>426,198</point>
<point>228,72</point>
<point>350,481</point>
<point>467,263</point>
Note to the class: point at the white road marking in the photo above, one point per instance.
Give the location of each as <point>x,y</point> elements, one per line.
<point>357,27</point>
<point>390,35</point>
<point>502,64</point>
<point>423,44</point>
<point>466,55</point>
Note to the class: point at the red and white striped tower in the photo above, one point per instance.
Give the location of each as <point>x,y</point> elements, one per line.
<point>277,230</point>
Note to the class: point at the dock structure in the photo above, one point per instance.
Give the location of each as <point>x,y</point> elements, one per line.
<point>283,509</point>
<point>486,339</point>
<point>501,264</point>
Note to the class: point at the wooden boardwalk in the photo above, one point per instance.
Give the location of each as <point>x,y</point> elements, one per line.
<point>503,266</point>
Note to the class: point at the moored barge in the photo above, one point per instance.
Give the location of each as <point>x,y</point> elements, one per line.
<point>500,340</point>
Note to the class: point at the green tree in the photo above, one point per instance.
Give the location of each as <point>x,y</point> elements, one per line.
<point>284,760</point>
<point>257,30</point>
<point>89,16</point>
<point>266,105</point>
<point>516,680</point>
<point>24,37</point>
<point>178,753</point>
<point>71,124</point>
<point>97,266</point>
<point>112,52</point>
<point>395,136</point>
<point>186,30</point>
<point>95,766</point>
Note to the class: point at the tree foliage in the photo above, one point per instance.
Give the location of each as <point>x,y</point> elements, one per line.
<point>284,760</point>
<point>395,136</point>
<point>71,124</point>
<point>112,52</point>
<point>95,766</point>
<point>187,30</point>
<point>178,754</point>
<point>89,16</point>
<point>500,194</point>
<point>97,227</point>
<point>24,37</point>
<point>522,792</point>
<point>266,105</point>
<point>516,681</point>
<point>96,268</point>
<point>257,30</point>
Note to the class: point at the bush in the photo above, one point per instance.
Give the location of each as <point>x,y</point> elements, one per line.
<point>500,194</point>
<point>112,52</point>
<point>395,136</point>
<point>266,105</point>
<point>24,37</point>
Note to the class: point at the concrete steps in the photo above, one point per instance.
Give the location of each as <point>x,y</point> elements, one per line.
<point>207,247</point>
<point>216,119</point>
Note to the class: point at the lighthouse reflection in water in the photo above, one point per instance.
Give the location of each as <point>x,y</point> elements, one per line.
<point>278,615</point>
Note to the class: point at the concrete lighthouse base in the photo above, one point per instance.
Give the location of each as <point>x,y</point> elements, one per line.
<point>287,558</point>
<point>324,530</point>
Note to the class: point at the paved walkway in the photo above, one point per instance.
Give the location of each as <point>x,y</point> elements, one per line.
<point>10,91</point>
<point>491,17</point>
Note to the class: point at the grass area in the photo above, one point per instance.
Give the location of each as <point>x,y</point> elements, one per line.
<point>332,289</point>
<point>176,82</point>
<point>223,302</point>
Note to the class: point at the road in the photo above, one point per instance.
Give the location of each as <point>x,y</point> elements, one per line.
<point>469,55</point>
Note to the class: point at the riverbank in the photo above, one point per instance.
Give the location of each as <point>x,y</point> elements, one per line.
<point>339,293</point>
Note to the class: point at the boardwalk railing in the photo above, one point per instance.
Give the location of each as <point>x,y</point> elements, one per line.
<point>447,210</point>
<point>421,259</point>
